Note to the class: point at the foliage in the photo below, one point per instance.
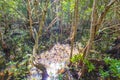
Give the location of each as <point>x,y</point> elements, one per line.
<point>62,10</point>
<point>113,69</point>
<point>7,6</point>
<point>60,77</point>
<point>103,73</point>
<point>19,55</point>
<point>77,58</point>
<point>89,65</point>
<point>114,66</point>
<point>68,5</point>
<point>19,69</point>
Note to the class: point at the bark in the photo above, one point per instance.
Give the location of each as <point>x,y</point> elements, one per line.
<point>92,34</point>
<point>74,27</point>
<point>36,5</point>
<point>92,29</point>
<point>30,18</point>
<point>39,33</point>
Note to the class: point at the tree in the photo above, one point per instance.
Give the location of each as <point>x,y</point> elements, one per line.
<point>95,25</point>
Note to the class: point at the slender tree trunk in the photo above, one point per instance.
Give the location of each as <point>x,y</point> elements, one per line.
<point>36,5</point>
<point>30,18</point>
<point>39,33</point>
<point>92,28</point>
<point>74,26</point>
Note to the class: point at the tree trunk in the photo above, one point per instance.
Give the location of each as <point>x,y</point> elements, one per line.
<point>74,26</point>
<point>30,18</point>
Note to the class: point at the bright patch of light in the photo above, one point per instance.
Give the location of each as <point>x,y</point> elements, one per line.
<point>53,69</point>
<point>48,78</point>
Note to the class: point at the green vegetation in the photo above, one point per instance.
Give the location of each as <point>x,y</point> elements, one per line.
<point>31,27</point>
